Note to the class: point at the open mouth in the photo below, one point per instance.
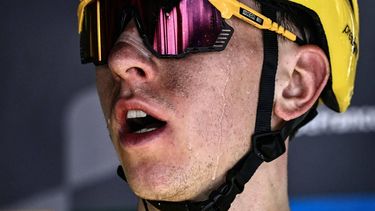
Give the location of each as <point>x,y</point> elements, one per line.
<point>139,122</point>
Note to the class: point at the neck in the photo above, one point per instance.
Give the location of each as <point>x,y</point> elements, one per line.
<point>266,190</point>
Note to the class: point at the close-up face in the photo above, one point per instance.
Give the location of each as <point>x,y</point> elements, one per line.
<point>200,112</point>
<point>193,105</point>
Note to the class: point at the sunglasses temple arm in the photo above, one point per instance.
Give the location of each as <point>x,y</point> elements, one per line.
<point>228,8</point>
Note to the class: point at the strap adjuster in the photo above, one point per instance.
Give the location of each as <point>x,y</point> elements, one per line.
<point>222,198</point>
<point>268,146</point>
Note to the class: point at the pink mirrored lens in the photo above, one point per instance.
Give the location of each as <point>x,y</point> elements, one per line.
<point>187,24</point>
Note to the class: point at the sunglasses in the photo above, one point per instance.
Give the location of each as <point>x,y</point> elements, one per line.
<point>169,28</point>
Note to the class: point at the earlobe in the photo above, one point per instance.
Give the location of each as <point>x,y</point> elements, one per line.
<point>305,83</point>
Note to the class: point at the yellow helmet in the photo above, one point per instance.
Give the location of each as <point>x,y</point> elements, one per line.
<point>340,22</point>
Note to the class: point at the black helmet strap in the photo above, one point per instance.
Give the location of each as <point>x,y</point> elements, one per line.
<point>266,145</point>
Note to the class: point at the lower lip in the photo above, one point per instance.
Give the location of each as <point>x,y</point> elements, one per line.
<point>141,139</point>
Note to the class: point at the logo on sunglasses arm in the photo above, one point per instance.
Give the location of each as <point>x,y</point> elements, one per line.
<point>251,16</point>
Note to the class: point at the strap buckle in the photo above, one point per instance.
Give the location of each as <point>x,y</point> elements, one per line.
<point>223,197</point>
<point>268,146</point>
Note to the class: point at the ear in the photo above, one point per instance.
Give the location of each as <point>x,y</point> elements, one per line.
<point>306,74</point>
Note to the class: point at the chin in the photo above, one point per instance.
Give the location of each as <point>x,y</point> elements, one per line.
<point>159,183</point>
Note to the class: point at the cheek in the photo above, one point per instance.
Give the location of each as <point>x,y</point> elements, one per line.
<point>222,113</point>
<point>178,80</point>
<point>106,88</point>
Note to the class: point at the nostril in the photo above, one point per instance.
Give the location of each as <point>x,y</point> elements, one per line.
<point>140,72</point>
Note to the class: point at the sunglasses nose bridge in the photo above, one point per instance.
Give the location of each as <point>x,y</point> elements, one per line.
<point>129,59</point>
<point>133,35</point>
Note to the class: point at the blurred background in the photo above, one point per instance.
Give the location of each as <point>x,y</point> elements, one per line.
<point>56,154</point>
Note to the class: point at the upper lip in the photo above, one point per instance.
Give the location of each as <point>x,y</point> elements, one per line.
<point>122,106</point>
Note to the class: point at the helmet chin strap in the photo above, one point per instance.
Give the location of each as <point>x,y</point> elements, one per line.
<point>266,145</point>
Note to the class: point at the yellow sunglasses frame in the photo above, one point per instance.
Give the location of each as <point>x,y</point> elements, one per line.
<point>228,8</point>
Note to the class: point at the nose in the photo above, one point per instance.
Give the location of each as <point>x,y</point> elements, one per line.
<point>129,59</point>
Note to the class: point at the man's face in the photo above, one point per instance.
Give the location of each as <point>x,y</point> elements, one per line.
<point>208,101</point>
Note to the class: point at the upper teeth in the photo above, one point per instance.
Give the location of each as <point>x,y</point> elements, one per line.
<point>135,114</point>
